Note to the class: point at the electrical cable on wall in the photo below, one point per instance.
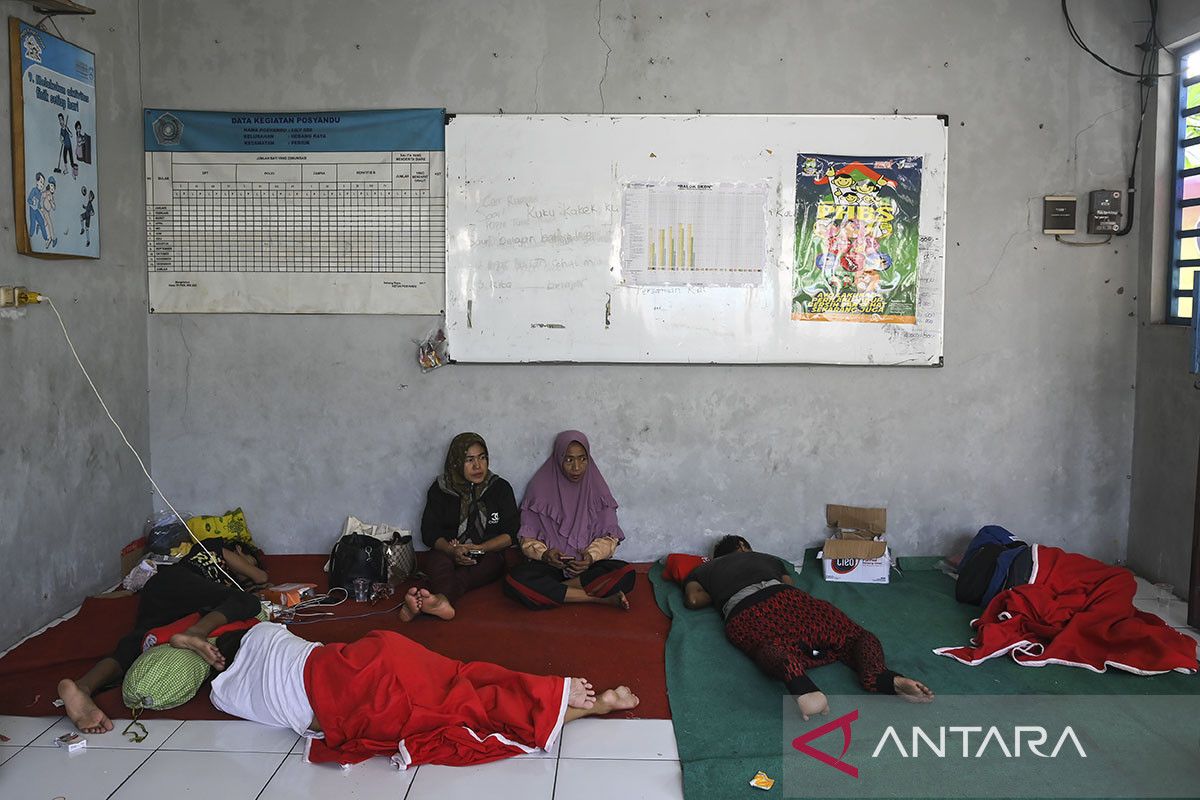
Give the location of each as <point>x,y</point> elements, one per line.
<point>1151,37</point>
<point>1105,241</point>
<point>40,25</point>
<point>1146,77</point>
<point>35,297</point>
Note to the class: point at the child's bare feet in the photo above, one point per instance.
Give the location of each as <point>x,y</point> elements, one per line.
<point>618,699</point>
<point>812,703</point>
<point>618,600</point>
<point>201,647</point>
<point>412,605</point>
<point>436,605</point>
<point>912,691</point>
<point>81,709</point>
<point>582,695</point>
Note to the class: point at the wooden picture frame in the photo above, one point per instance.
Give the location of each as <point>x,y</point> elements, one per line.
<point>54,154</point>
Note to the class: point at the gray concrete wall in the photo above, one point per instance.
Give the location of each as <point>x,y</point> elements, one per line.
<point>302,420</point>
<point>71,494</point>
<point>1167,421</point>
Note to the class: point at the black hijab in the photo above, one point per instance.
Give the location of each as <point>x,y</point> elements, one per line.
<point>472,513</point>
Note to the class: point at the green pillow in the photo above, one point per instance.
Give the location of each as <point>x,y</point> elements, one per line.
<point>163,677</point>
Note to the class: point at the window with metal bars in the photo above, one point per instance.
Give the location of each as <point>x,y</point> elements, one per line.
<point>1185,261</point>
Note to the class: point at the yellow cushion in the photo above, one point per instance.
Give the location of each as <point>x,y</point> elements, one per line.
<point>231,525</point>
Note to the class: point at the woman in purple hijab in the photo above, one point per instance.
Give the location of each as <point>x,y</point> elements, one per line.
<point>569,533</point>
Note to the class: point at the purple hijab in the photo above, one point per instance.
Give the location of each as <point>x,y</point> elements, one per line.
<point>568,516</point>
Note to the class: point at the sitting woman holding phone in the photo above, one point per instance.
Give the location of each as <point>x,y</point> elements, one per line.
<point>569,533</point>
<point>470,518</point>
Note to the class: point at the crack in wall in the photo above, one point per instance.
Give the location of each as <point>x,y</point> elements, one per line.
<point>537,82</point>
<point>600,33</point>
<point>187,369</point>
<point>996,266</point>
<point>1075,148</point>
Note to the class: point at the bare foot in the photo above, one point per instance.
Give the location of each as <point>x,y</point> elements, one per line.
<point>618,699</point>
<point>82,709</point>
<point>201,647</point>
<point>812,703</point>
<point>436,605</point>
<point>582,695</point>
<point>618,600</point>
<point>912,691</point>
<point>412,605</point>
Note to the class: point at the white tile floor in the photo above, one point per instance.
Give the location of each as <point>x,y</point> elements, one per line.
<point>595,758</point>
<point>1174,613</point>
<point>234,760</point>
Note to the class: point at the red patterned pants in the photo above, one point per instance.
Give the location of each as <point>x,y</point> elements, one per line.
<point>791,632</point>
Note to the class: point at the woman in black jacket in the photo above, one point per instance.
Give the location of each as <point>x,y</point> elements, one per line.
<point>470,518</point>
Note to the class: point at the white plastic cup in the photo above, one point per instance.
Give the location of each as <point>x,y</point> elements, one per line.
<point>362,590</point>
<point>1164,594</point>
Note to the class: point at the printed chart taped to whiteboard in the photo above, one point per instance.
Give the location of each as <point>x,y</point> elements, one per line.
<point>658,248</point>
<point>696,239</point>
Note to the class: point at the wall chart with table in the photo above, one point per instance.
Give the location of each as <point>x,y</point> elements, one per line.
<point>317,212</point>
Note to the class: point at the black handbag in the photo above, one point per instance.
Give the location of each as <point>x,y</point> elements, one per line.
<point>356,555</point>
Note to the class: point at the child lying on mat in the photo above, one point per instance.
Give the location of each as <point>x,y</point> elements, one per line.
<point>785,630</point>
<point>387,695</point>
<point>173,592</point>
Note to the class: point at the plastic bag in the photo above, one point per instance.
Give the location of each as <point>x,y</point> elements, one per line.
<point>433,351</point>
<point>137,577</point>
<point>164,531</point>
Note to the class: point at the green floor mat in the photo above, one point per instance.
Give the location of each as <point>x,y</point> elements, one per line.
<point>727,714</point>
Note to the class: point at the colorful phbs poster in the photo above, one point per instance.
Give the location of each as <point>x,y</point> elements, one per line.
<point>856,238</point>
<point>54,138</point>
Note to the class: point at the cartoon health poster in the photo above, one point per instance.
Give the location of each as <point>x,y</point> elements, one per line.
<point>54,145</point>
<point>856,238</point>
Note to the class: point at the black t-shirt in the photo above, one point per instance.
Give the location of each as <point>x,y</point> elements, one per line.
<point>724,577</point>
<point>440,519</point>
<point>209,561</point>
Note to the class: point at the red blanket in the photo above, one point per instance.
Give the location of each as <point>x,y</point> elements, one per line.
<point>1078,612</point>
<point>608,647</point>
<point>387,695</point>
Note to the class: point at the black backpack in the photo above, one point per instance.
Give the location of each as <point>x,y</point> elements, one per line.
<point>977,573</point>
<point>357,556</point>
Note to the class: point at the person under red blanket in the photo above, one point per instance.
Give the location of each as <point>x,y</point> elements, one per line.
<point>785,630</point>
<point>388,695</point>
<point>1075,611</point>
<point>173,592</point>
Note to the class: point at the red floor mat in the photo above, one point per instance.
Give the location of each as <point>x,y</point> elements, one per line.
<point>597,642</point>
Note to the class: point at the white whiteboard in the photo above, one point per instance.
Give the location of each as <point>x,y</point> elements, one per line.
<point>534,240</point>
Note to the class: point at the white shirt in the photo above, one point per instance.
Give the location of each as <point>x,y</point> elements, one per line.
<point>265,681</point>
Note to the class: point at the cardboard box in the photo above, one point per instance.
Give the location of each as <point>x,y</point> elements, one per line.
<point>857,570</point>
<point>289,594</point>
<point>854,549</point>
<point>131,554</point>
<point>862,523</point>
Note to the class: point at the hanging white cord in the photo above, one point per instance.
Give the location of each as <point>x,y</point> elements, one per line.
<point>141,464</point>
